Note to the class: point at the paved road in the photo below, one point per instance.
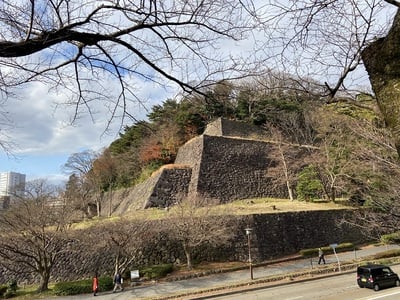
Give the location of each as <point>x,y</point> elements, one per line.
<point>343,287</point>
<point>164,289</point>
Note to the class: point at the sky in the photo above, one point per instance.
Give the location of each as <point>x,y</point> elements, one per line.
<point>42,137</point>
<point>40,128</point>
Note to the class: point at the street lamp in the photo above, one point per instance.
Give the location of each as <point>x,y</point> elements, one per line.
<point>248,233</point>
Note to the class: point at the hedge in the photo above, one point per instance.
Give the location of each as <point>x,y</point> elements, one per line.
<point>327,250</point>
<point>82,286</point>
<point>156,271</point>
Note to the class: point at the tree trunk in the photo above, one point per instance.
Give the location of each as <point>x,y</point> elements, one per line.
<point>290,190</point>
<point>286,172</point>
<point>188,254</point>
<point>117,263</point>
<point>44,281</point>
<point>382,62</point>
<point>333,193</point>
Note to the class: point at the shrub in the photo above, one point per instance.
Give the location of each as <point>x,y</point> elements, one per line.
<point>82,286</point>
<point>327,250</point>
<point>156,271</point>
<point>147,171</point>
<point>3,289</point>
<point>387,254</point>
<point>308,187</point>
<point>11,289</point>
<point>392,238</point>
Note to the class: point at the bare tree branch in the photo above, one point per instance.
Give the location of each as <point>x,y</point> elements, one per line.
<point>131,41</point>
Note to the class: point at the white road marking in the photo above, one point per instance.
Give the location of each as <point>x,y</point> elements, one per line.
<point>379,297</point>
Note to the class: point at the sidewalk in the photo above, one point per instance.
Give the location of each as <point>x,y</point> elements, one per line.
<point>169,289</point>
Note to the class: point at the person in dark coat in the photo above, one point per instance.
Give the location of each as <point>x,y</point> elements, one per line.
<point>118,282</point>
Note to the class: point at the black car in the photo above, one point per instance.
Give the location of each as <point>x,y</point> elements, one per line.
<point>376,277</point>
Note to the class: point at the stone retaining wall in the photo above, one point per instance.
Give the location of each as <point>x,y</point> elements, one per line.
<point>160,190</point>
<point>228,169</point>
<point>274,235</point>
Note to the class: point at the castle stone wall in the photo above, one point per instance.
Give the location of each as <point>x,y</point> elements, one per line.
<point>234,168</point>
<point>170,184</point>
<point>228,169</point>
<point>274,235</point>
<point>230,161</point>
<point>160,190</point>
<point>133,198</point>
<point>191,154</point>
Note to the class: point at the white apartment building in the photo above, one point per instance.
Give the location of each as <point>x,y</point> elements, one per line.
<point>12,184</point>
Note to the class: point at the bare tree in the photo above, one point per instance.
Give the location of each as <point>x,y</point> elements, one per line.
<point>192,222</point>
<point>285,171</point>
<point>330,40</point>
<point>6,143</point>
<point>80,188</point>
<point>80,163</point>
<point>377,181</point>
<point>78,195</point>
<point>336,161</point>
<point>34,233</point>
<point>82,47</point>
<point>102,177</point>
<point>123,238</point>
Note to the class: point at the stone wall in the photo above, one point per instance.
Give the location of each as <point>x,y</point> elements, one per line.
<point>160,190</point>
<point>287,233</point>
<point>135,198</point>
<point>190,154</point>
<point>230,161</point>
<point>171,183</point>
<point>274,235</point>
<point>228,169</point>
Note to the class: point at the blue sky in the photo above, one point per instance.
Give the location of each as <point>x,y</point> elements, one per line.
<point>36,166</point>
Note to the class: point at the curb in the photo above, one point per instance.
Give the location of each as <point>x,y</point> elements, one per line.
<point>270,281</point>
<point>219,271</point>
<point>274,281</point>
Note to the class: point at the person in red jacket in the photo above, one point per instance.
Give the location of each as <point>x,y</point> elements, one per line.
<point>95,284</point>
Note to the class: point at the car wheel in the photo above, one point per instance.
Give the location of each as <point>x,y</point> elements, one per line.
<point>397,283</point>
<point>360,285</point>
<point>376,287</point>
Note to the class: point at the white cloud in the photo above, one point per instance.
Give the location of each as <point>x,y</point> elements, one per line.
<point>40,126</point>
<point>45,138</point>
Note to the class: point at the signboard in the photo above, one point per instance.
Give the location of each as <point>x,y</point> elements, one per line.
<point>134,274</point>
<point>333,246</point>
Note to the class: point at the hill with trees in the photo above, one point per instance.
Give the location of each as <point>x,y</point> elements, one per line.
<point>356,158</point>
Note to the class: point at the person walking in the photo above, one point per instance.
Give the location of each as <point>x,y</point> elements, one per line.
<point>321,256</point>
<point>118,282</point>
<point>95,284</point>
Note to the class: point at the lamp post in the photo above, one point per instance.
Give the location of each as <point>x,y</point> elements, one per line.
<point>248,233</point>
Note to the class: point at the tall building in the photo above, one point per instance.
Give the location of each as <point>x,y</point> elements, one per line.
<point>12,184</point>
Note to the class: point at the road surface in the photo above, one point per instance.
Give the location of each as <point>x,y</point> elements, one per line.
<point>343,287</point>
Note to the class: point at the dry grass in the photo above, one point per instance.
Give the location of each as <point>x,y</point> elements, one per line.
<point>239,207</point>
<point>270,205</point>
<point>250,206</point>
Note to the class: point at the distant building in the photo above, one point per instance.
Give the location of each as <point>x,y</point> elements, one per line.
<point>12,184</point>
